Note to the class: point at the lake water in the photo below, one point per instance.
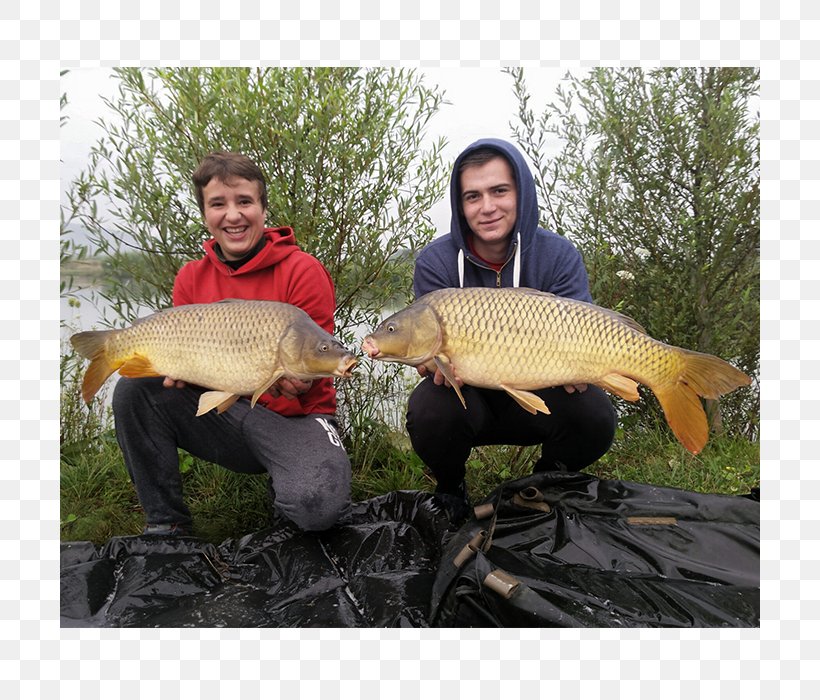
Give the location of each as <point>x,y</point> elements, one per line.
<point>85,312</point>
<point>82,317</point>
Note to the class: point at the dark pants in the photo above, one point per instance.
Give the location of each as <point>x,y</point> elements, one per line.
<point>579,429</point>
<point>308,467</point>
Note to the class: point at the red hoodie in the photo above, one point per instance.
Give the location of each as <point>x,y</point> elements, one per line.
<point>281,271</point>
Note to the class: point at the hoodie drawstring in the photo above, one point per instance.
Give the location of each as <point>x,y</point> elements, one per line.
<point>516,264</point>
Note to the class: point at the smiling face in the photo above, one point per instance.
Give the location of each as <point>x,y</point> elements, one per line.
<point>489,202</point>
<point>234,215</point>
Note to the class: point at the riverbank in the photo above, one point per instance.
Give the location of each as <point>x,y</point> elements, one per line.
<point>81,273</point>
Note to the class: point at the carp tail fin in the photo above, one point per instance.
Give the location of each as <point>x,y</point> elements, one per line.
<point>92,346</point>
<point>704,376</point>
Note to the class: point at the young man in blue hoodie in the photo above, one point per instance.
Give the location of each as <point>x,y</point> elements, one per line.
<point>495,241</point>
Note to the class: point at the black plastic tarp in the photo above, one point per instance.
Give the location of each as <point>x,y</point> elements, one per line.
<point>570,550</point>
<point>558,550</point>
<point>376,570</point>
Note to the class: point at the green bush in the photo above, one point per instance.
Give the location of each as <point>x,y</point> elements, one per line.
<point>657,180</point>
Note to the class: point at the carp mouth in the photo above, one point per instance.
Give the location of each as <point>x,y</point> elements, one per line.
<point>370,348</point>
<point>346,365</point>
<point>373,352</point>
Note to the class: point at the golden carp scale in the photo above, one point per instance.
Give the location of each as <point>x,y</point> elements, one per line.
<point>222,344</point>
<point>537,340</point>
<point>522,339</point>
<point>235,347</point>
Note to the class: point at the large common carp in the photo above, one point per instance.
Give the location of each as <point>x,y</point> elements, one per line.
<point>522,339</point>
<point>237,347</point>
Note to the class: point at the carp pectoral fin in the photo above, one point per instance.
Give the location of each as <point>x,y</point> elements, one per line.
<point>527,400</point>
<point>621,386</point>
<point>444,366</point>
<point>220,400</point>
<point>138,366</point>
<point>277,375</point>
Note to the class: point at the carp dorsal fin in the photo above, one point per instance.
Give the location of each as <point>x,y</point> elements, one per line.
<point>621,386</point>
<point>443,363</point>
<point>623,318</point>
<point>220,400</point>
<point>138,366</point>
<point>278,374</point>
<point>143,319</point>
<point>527,400</point>
<point>534,292</point>
<point>617,315</point>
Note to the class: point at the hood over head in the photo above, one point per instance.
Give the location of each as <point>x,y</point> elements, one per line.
<point>535,258</point>
<point>526,221</point>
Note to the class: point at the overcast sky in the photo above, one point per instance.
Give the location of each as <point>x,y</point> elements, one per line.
<point>482,105</point>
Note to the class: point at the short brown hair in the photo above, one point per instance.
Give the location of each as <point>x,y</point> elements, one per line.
<point>224,166</point>
<point>480,156</point>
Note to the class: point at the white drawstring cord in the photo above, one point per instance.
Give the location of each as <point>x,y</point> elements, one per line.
<point>517,262</point>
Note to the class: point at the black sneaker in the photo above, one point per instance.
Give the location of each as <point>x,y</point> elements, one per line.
<point>549,466</point>
<point>454,501</point>
<point>166,530</point>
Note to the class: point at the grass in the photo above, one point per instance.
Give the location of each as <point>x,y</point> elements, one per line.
<point>99,502</point>
<point>728,464</point>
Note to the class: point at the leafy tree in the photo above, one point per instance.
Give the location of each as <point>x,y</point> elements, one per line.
<point>65,247</point>
<point>343,152</point>
<point>657,182</point>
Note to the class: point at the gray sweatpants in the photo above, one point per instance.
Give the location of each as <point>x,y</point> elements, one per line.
<point>307,464</point>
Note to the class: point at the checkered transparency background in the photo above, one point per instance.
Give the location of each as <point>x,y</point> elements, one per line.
<point>37,656</point>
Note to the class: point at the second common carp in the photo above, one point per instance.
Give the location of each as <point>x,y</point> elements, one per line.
<point>235,347</point>
<point>522,339</point>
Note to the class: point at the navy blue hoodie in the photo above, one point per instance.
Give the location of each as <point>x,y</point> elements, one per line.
<point>536,257</point>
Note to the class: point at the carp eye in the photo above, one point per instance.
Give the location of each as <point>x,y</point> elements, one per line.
<point>391,328</point>
<point>324,347</point>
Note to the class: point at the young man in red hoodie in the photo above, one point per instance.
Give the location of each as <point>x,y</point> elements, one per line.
<point>292,433</point>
